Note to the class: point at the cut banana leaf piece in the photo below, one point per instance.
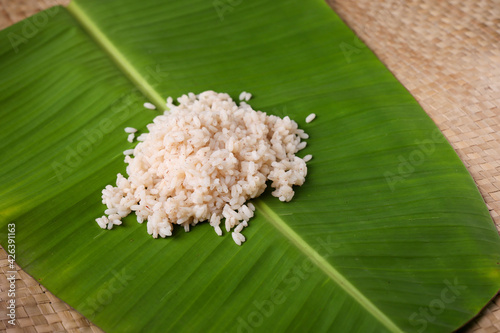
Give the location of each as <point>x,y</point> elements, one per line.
<point>388,234</point>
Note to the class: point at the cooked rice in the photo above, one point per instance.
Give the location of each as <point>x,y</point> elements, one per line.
<point>202,161</point>
<point>245,96</point>
<point>131,137</point>
<point>130,130</point>
<point>128,152</point>
<point>307,158</point>
<point>236,239</point>
<point>310,117</point>
<point>150,106</point>
<point>142,137</point>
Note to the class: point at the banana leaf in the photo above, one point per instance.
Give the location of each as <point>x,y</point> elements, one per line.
<point>388,234</point>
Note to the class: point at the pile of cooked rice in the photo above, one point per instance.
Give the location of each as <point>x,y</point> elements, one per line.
<point>202,161</point>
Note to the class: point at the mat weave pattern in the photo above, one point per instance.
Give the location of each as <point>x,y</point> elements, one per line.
<point>445,52</point>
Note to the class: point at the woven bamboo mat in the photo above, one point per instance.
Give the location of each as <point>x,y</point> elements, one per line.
<point>445,52</point>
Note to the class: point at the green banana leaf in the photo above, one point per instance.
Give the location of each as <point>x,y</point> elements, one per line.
<point>388,234</point>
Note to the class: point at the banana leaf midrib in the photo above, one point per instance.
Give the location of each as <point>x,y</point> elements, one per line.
<point>324,265</point>
<point>116,56</point>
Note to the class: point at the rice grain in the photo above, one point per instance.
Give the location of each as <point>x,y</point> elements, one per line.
<point>150,106</point>
<point>128,152</point>
<point>310,117</point>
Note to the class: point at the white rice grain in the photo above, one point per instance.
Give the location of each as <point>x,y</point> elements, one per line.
<point>130,130</point>
<point>170,102</point>
<point>310,118</point>
<point>218,230</point>
<point>307,158</point>
<point>301,145</point>
<point>239,227</point>
<point>236,238</point>
<point>150,106</point>
<point>240,236</point>
<point>131,137</point>
<point>128,152</point>
<point>102,221</point>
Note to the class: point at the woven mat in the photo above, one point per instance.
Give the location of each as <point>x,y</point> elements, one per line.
<point>445,52</point>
